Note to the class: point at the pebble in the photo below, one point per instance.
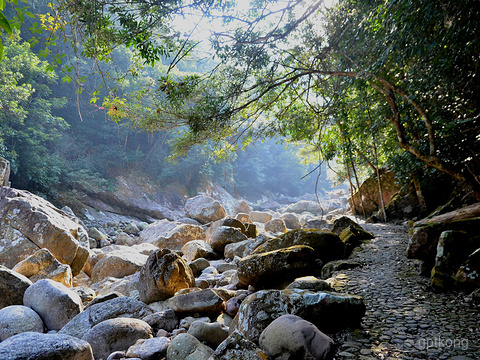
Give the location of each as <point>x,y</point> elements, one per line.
<point>404,319</point>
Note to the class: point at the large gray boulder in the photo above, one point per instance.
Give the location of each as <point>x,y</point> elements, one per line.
<point>29,223</point>
<point>291,337</point>
<point>211,334</point>
<point>12,287</point>
<point>123,306</point>
<point>204,209</point>
<point>171,235</point>
<point>32,345</point>
<point>237,347</point>
<point>327,246</point>
<point>18,319</point>
<point>116,335</point>
<point>276,269</point>
<point>330,312</point>
<point>164,273</point>
<point>202,301</point>
<point>54,302</point>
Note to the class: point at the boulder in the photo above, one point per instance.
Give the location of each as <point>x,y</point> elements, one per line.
<point>244,218</point>
<point>12,287</point>
<point>18,319</point>
<point>291,220</point>
<point>291,337</point>
<point>211,334</point>
<point>305,206</point>
<point>251,230</point>
<point>353,237</point>
<point>260,216</point>
<point>310,283</point>
<point>116,334</point>
<point>329,268</point>
<point>344,222</point>
<point>43,265</point>
<point>204,209</point>
<point>276,269</point>
<point>198,266</point>
<point>327,245</point>
<point>330,312</point>
<point>163,275</point>
<point>230,222</point>
<point>131,228</point>
<point>276,226</point>
<point>197,249</point>
<point>318,224</point>
<point>166,320</point>
<point>453,249</point>
<point>223,236</point>
<point>242,207</point>
<point>54,302</point>
<point>204,301</point>
<point>237,347</point>
<point>149,349</point>
<point>243,248</point>
<point>468,275</point>
<point>118,263</point>
<point>424,235</point>
<point>4,172</point>
<point>171,235</point>
<point>96,234</point>
<point>126,285</point>
<point>33,345</point>
<point>187,347</point>
<point>123,306</point>
<point>29,223</point>
<point>368,198</point>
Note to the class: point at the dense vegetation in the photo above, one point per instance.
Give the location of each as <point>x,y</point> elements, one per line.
<point>371,84</point>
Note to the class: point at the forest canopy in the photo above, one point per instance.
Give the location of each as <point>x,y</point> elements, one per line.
<point>371,84</point>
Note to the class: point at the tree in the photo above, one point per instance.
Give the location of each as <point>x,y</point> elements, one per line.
<point>28,128</point>
<point>415,62</point>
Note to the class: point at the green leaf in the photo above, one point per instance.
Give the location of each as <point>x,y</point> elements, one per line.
<point>5,24</point>
<point>2,5</point>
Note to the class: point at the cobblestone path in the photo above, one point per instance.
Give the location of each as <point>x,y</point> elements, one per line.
<point>404,318</point>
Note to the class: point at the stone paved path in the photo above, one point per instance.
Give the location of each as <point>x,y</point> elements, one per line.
<point>404,319</point>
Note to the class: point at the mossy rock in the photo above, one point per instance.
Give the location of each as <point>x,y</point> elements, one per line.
<point>352,237</point>
<point>326,245</point>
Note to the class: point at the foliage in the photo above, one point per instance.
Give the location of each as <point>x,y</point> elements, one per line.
<point>28,128</point>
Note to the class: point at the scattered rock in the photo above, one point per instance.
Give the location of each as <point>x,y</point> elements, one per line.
<point>276,226</point>
<point>242,207</point>
<point>149,349</point>
<point>43,265</point>
<point>327,246</point>
<point>290,336</point>
<point>237,347</point>
<point>196,249</point>
<point>330,312</point>
<point>291,221</point>
<point>225,235</point>
<point>163,275</point>
<point>115,335</point>
<point>211,334</point>
<point>305,206</point>
<point>329,268</point>
<point>12,287</point>
<point>32,345</point>
<point>166,320</point>
<point>310,283</point>
<point>170,234</point>
<point>17,319</point>
<point>118,263</point>
<point>54,302</point>
<point>468,275</point>
<point>186,347</point>
<point>202,301</point>
<point>123,306</point>
<point>276,269</point>
<point>204,209</point>
<point>260,216</point>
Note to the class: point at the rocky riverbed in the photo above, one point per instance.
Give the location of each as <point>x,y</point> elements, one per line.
<point>404,318</point>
